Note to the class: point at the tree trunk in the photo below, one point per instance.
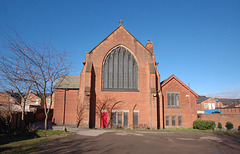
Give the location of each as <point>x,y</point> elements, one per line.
<point>46,121</point>
<point>23,111</point>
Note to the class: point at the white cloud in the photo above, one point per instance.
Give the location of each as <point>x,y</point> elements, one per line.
<point>225,94</point>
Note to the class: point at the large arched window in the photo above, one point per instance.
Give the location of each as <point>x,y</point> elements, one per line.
<point>120,70</point>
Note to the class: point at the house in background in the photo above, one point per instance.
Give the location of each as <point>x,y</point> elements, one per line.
<point>208,103</point>
<point>10,99</point>
<point>119,86</point>
<point>33,101</point>
<point>222,104</point>
<point>230,103</point>
<point>49,100</point>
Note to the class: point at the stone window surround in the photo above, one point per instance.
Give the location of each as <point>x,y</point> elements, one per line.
<point>173,106</point>
<point>117,116</point>
<point>176,119</point>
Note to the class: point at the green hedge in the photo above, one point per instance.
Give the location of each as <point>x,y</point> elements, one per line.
<point>204,124</point>
<point>229,125</point>
<point>219,125</point>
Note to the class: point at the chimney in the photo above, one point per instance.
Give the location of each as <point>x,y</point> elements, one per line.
<point>11,91</point>
<point>36,92</point>
<point>149,46</point>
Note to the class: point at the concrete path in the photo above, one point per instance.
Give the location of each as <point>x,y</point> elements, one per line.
<point>80,131</point>
<point>71,128</point>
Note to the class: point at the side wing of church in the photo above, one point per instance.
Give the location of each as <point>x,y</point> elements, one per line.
<point>119,86</point>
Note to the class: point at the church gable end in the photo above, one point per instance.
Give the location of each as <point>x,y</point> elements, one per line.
<point>120,87</point>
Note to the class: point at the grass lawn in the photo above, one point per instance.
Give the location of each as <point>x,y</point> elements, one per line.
<point>29,145</point>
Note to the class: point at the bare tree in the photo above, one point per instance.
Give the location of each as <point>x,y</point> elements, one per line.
<point>80,113</point>
<point>41,66</point>
<point>13,74</point>
<point>5,113</point>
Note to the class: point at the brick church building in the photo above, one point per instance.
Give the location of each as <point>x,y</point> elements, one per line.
<point>119,86</point>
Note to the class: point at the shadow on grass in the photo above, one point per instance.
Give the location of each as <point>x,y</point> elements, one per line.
<point>5,149</point>
<point>18,137</point>
<point>20,149</point>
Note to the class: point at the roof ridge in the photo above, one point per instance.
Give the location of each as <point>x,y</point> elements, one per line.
<point>112,33</point>
<point>173,76</point>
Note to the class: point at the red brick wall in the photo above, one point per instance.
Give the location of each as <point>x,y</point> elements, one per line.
<point>146,103</point>
<point>58,107</point>
<point>230,110</point>
<point>188,114</point>
<point>70,106</point>
<point>39,115</point>
<point>222,118</point>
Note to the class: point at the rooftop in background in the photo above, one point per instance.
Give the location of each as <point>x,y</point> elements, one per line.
<point>200,99</point>
<point>229,102</point>
<point>226,101</point>
<point>11,93</point>
<point>68,82</point>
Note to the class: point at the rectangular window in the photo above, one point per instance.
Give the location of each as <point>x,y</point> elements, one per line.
<point>209,106</point>
<point>173,99</point>
<point>179,121</point>
<point>113,118</point>
<point>169,99</point>
<point>173,121</point>
<point>36,101</point>
<point>177,99</point>
<point>205,105</point>
<point>167,120</point>
<point>119,118</point>
<point>213,105</point>
<point>125,119</point>
<point>135,118</point>
<point>49,101</point>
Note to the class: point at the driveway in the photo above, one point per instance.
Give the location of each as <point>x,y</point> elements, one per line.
<point>144,142</point>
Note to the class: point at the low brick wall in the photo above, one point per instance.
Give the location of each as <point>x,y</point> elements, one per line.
<point>230,110</point>
<point>39,115</point>
<point>222,118</point>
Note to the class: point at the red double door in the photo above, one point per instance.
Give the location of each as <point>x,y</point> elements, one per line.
<point>104,120</point>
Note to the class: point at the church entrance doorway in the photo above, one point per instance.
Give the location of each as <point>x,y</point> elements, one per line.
<point>104,120</point>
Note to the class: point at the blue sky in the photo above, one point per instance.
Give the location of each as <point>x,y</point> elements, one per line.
<point>197,40</point>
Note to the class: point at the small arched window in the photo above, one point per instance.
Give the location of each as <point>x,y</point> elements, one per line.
<point>120,70</point>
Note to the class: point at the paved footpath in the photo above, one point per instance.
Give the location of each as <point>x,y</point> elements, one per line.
<point>81,131</point>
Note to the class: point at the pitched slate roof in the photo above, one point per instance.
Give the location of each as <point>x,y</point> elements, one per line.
<point>164,82</point>
<point>200,99</point>
<point>68,82</point>
<point>229,102</point>
<point>13,94</point>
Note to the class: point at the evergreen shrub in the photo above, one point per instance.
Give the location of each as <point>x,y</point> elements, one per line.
<point>229,125</point>
<point>204,124</point>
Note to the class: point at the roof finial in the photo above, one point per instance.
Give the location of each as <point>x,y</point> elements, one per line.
<point>120,21</point>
